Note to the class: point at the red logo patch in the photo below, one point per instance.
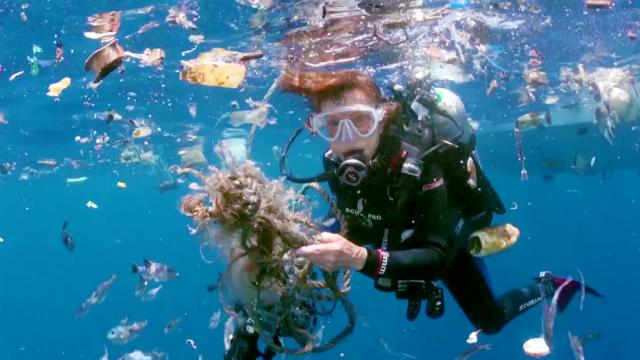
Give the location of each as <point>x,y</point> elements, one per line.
<point>436,183</point>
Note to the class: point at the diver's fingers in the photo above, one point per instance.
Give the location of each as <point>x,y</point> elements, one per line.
<point>327,237</point>
<point>310,250</point>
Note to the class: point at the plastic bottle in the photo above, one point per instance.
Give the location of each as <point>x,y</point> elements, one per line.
<point>493,239</point>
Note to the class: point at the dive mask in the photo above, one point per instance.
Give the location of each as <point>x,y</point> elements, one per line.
<point>348,123</point>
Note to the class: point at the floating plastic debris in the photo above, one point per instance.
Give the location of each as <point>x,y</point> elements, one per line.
<point>493,239</point>
<point>104,60</point>
<point>192,155</point>
<point>1,239</point>
<point>551,99</point>
<point>583,290</point>
<point>150,57</point>
<point>178,15</point>
<point>472,351</point>
<point>577,344</point>
<point>59,52</point>
<point>48,162</point>
<point>121,184</point>
<point>257,4</point>
<point>193,109</point>
<point>15,75</point>
<point>3,121</point>
<point>56,89</point>
<point>536,347</point>
<point>492,87</point>
<point>241,196</point>
<point>33,62</point>
<point>218,67</point>
<point>525,96</point>
<point>232,149</point>
<point>258,117</point>
<point>91,205</point>
<point>524,175</point>
<point>139,355</point>
<point>599,4</point>
<point>144,28</point>
<point>191,343</point>
<point>195,187</point>
<point>105,26</point>
<point>141,132</point>
<point>214,321</point>
<point>77,180</point>
<point>533,120</point>
<point>473,336</point>
<point>541,346</point>
<point>535,77</point>
<point>583,164</point>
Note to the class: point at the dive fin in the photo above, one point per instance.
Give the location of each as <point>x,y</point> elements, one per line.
<point>570,291</point>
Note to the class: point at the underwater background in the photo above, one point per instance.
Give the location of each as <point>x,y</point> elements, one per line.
<point>568,221</point>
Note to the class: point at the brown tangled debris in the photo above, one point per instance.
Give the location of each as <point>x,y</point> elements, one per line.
<point>254,220</point>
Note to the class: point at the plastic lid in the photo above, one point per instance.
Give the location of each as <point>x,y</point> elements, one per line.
<point>536,347</point>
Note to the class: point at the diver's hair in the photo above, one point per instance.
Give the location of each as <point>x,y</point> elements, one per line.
<point>322,86</point>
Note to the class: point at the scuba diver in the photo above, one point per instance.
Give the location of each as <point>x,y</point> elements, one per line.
<point>406,176</point>
<point>407,180</point>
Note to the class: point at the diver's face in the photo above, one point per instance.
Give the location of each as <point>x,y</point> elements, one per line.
<point>367,146</point>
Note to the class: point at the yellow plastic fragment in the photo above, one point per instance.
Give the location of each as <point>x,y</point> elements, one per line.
<point>141,132</point>
<point>218,67</point>
<point>56,88</point>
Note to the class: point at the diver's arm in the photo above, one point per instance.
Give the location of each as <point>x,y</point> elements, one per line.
<point>404,264</point>
<point>432,229</point>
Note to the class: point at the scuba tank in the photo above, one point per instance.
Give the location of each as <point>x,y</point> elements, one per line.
<point>436,122</point>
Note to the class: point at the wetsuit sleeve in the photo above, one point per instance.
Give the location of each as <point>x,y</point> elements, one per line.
<point>429,243</point>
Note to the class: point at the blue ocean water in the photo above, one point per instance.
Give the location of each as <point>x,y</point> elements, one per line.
<point>572,222</point>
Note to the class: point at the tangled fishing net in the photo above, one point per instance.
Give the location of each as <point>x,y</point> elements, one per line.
<point>258,224</point>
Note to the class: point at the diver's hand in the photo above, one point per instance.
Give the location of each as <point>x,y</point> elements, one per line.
<point>334,252</point>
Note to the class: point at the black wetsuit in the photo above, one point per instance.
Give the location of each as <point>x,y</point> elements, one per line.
<point>426,221</point>
<point>417,229</point>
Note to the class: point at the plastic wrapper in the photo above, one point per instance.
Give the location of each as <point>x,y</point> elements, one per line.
<point>218,67</point>
<point>232,149</point>
<point>56,88</point>
<point>192,155</point>
<point>150,57</point>
<point>105,26</point>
